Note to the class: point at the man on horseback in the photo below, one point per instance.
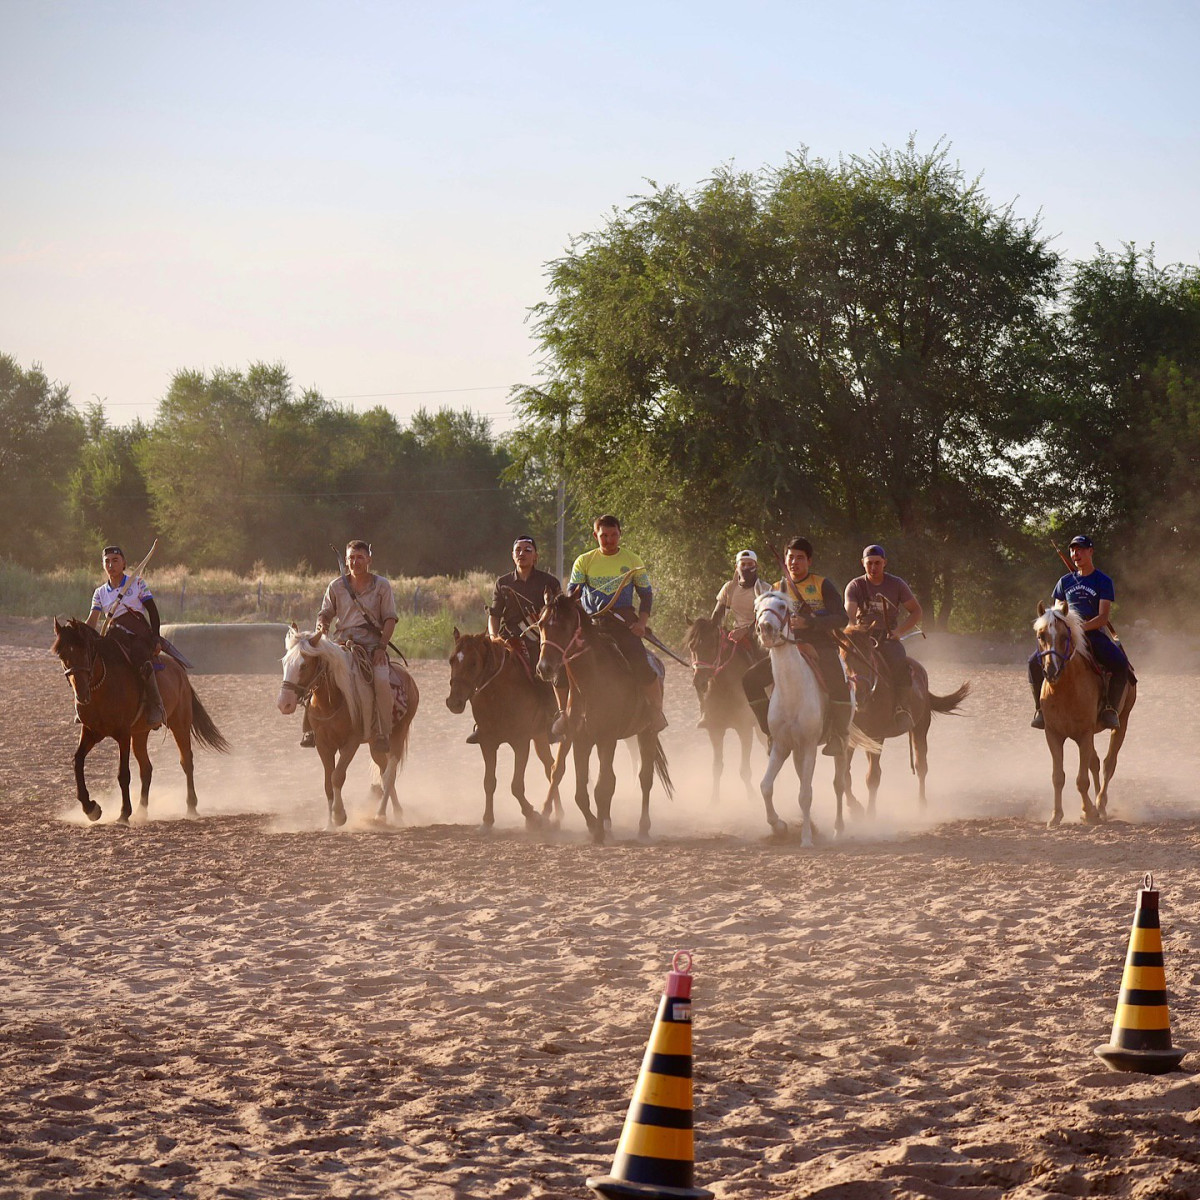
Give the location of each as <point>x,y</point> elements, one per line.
<point>1090,593</point>
<point>516,601</point>
<point>875,599</point>
<point>128,611</point>
<point>608,577</point>
<point>737,597</point>
<point>817,610</point>
<point>365,610</point>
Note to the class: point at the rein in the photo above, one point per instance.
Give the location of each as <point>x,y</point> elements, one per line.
<point>305,694</point>
<point>1053,652</point>
<point>722,660</point>
<point>94,660</point>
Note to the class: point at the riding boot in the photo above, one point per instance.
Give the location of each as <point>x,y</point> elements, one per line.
<point>1038,722</point>
<point>472,738</point>
<point>761,706</point>
<point>902,718</point>
<point>840,713</point>
<point>1110,713</point>
<point>308,739</point>
<point>152,702</point>
<point>656,718</point>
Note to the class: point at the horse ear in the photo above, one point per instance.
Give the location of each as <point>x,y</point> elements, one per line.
<point>294,628</point>
<point>57,627</point>
<point>316,637</point>
<point>1041,609</point>
<point>1061,605</point>
<point>457,635</point>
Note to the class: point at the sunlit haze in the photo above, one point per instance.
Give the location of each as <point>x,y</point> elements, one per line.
<point>369,193</point>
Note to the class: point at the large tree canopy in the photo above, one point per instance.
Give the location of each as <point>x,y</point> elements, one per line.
<point>860,351</point>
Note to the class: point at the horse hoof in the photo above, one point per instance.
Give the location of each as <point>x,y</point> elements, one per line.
<point>779,828</point>
<point>1055,821</point>
<point>532,820</point>
<point>339,818</point>
<point>92,810</point>
<point>486,826</point>
<point>1091,818</point>
<point>856,809</point>
<point>123,819</point>
<point>598,836</point>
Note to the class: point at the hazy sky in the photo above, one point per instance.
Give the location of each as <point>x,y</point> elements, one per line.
<point>370,192</point>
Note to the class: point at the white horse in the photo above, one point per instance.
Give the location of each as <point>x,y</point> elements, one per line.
<point>318,668</point>
<point>795,717</point>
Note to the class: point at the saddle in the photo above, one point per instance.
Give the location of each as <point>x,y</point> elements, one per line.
<point>397,678</point>
<point>808,652</point>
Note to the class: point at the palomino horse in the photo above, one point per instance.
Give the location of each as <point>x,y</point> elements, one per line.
<point>1071,707</point>
<point>796,716</point>
<point>606,704</point>
<point>511,708</point>
<point>108,701</point>
<point>317,667</point>
<point>718,663</point>
<point>875,708</point>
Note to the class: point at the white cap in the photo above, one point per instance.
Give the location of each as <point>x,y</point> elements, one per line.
<point>745,554</point>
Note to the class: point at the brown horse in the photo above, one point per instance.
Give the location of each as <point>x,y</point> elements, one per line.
<point>108,702</point>
<point>606,704</point>
<point>511,708</point>
<point>875,708</point>
<point>718,663</point>
<point>1071,708</point>
<point>317,668</point>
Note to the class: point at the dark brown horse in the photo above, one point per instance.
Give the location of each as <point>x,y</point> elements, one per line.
<point>718,663</point>
<point>875,708</point>
<point>606,704</point>
<point>318,668</point>
<point>511,707</point>
<point>108,702</point>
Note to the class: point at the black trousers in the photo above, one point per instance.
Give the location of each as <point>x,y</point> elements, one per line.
<point>630,646</point>
<point>756,680</point>
<point>1105,651</point>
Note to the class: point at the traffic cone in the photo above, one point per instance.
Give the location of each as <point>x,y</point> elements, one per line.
<point>1141,1032</point>
<point>655,1155</point>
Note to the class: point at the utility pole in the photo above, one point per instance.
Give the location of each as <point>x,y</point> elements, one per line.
<point>560,531</point>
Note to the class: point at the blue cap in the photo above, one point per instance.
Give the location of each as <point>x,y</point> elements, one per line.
<point>874,552</point>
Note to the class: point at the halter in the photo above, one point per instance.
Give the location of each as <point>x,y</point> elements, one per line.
<point>1051,652</point>
<point>724,642</point>
<point>567,657</point>
<point>494,675</point>
<point>304,694</point>
<point>93,660</point>
<point>785,630</point>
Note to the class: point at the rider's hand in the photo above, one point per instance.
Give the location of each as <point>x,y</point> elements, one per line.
<point>638,627</point>
<point>379,657</point>
<point>798,621</point>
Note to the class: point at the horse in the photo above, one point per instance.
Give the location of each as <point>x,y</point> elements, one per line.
<point>718,664</point>
<point>108,703</point>
<point>606,704</point>
<point>510,707</point>
<point>318,669</point>
<point>1071,708</point>
<point>875,708</point>
<point>796,717</point>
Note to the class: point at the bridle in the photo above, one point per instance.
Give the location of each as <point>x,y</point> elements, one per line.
<point>304,692</point>
<point>493,676</point>
<point>1052,652</point>
<point>565,651</point>
<point>785,631</point>
<point>93,660</point>
<point>725,642</point>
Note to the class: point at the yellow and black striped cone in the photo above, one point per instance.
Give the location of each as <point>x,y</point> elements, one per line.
<point>655,1155</point>
<point>1141,1032</point>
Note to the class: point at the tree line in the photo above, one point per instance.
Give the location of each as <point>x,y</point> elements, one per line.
<point>863,351</point>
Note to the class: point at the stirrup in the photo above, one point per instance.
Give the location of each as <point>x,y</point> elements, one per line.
<point>472,738</point>
<point>1038,722</point>
<point>902,719</point>
<point>1109,718</point>
<point>308,740</point>
<point>381,745</point>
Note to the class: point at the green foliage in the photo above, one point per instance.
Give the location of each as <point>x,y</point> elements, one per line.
<point>40,439</point>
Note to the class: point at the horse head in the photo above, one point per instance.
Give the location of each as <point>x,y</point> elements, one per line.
<point>703,642</point>
<point>1060,636</point>
<point>302,663</point>
<point>560,628</point>
<point>772,614</point>
<point>77,646</point>
<point>468,662</point>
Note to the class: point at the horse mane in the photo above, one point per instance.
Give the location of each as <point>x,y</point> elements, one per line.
<point>699,627</point>
<point>1074,623</point>
<point>337,660</point>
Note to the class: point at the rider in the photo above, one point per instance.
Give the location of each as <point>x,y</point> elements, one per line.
<point>875,600</point>
<point>817,610</point>
<point>737,596</point>
<point>1090,593</point>
<point>365,609</point>
<point>516,601</point>
<point>130,610</point>
<point>608,572</point>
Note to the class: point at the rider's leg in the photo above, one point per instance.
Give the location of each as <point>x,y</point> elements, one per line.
<point>1112,658</point>
<point>755,683</point>
<point>152,697</point>
<point>308,738</point>
<point>1037,676</point>
<point>384,701</point>
<point>897,661</point>
<point>841,710</point>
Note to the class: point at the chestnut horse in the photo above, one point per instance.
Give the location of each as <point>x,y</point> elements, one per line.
<point>606,704</point>
<point>511,708</point>
<point>718,663</point>
<point>108,702</point>
<point>875,708</point>
<point>1071,708</point>
<point>318,669</point>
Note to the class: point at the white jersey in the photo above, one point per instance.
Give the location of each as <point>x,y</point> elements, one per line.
<point>134,600</point>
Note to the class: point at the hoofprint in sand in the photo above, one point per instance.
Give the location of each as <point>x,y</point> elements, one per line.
<point>246,1005</point>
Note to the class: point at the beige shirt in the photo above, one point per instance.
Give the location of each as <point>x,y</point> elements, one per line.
<point>740,601</point>
<point>377,600</point>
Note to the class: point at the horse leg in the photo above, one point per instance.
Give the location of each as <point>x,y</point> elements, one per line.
<point>746,735</point>
<point>328,755</point>
<point>852,803</point>
<point>1110,765</point>
<point>581,752</point>
<point>606,785</point>
<point>1057,775</point>
<point>520,762</point>
<point>806,763</point>
<point>345,756</point>
<point>775,761</point>
<point>716,738</point>
<point>920,745</point>
<point>387,784</point>
<point>145,767</point>
<point>647,743</point>
<point>874,775</point>
<point>87,739</point>
<point>489,752</point>
<point>123,777</point>
<point>1087,752</point>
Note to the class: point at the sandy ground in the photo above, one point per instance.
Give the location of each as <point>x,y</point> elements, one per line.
<point>247,1005</point>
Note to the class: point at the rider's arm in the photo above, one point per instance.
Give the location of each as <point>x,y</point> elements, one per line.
<point>152,612</point>
<point>851,605</point>
<point>94,618</point>
<point>327,610</point>
<point>1100,620</point>
<point>834,616</point>
<point>915,613</point>
<point>718,614</point>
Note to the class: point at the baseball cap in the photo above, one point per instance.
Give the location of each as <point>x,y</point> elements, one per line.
<point>874,551</point>
<point>1082,540</point>
<point>745,554</point>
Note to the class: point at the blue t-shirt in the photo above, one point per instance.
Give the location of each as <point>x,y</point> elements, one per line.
<point>1083,593</point>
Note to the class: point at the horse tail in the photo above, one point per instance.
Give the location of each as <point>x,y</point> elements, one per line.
<point>660,767</point>
<point>950,703</point>
<point>203,726</point>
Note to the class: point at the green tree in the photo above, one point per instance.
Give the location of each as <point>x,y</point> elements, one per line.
<point>861,351</point>
<point>41,436</point>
